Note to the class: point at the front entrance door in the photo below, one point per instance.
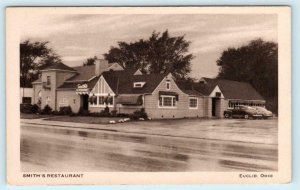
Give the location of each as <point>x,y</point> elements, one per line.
<point>85,102</point>
<point>213,109</point>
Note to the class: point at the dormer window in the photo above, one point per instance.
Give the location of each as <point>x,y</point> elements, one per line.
<point>218,94</point>
<point>202,81</point>
<point>168,85</point>
<point>138,84</point>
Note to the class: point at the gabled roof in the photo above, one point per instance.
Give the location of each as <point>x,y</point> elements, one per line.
<point>230,89</point>
<point>84,73</point>
<point>73,85</point>
<point>187,89</point>
<point>121,82</point>
<point>59,66</point>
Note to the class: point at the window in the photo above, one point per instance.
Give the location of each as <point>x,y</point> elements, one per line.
<point>48,83</point>
<point>64,102</point>
<point>101,100</point>
<point>193,104</point>
<point>167,101</point>
<point>93,100</point>
<point>218,94</point>
<point>168,85</point>
<point>26,100</point>
<point>110,100</point>
<point>138,84</point>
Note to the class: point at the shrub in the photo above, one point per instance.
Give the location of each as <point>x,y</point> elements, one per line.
<point>114,113</point>
<point>47,110</point>
<point>106,110</point>
<point>55,113</point>
<point>65,110</point>
<point>83,112</point>
<point>104,113</point>
<point>25,108</point>
<point>139,114</point>
<point>73,114</point>
<point>123,115</point>
<point>35,108</point>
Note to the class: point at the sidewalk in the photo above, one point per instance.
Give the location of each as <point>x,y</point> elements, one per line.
<point>224,130</point>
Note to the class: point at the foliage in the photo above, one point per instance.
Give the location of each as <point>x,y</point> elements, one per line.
<point>65,110</point>
<point>83,112</point>
<point>90,61</point>
<point>113,113</point>
<point>35,108</point>
<point>25,108</point>
<point>47,110</point>
<point>106,112</point>
<point>139,114</point>
<point>160,53</point>
<point>255,63</point>
<point>29,108</point>
<point>33,57</point>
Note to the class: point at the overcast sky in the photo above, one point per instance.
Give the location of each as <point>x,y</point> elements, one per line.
<point>77,37</point>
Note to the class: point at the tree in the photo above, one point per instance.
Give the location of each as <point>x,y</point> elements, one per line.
<point>160,53</point>
<point>90,61</point>
<point>33,56</point>
<point>255,63</point>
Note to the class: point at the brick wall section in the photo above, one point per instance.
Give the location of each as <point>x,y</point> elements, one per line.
<point>49,92</point>
<point>57,78</point>
<point>72,98</point>
<point>207,107</point>
<point>36,89</point>
<point>221,106</point>
<point>182,108</point>
<point>62,76</point>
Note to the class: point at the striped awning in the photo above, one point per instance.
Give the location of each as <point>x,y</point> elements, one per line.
<point>248,101</point>
<point>129,99</point>
<point>82,89</point>
<point>169,93</point>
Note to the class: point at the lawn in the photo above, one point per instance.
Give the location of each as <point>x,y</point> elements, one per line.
<point>85,119</point>
<point>34,116</point>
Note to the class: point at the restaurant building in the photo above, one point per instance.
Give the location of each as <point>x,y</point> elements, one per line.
<point>95,87</point>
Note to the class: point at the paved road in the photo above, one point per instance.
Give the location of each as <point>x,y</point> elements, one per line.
<point>48,148</point>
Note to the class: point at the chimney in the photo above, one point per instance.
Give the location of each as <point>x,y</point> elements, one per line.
<point>100,66</point>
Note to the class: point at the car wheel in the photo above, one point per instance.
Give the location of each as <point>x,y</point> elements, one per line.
<point>246,116</point>
<point>226,115</point>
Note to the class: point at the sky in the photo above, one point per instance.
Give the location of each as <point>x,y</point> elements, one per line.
<point>78,37</point>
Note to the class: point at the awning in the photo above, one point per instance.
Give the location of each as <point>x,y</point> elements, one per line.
<point>82,89</point>
<point>169,93</point>
<point>248,101</point>
<point>129,99</point>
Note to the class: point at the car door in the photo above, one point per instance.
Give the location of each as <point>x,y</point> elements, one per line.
<point>235,112</point>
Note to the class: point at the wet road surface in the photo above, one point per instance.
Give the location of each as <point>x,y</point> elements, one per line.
<point>52,149</point>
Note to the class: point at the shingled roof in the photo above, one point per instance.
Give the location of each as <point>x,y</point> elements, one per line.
<point>59,66</point>
<point>121,82</point>
<point>230,89</point>
<point>84,73</point>
<point>73,85</point>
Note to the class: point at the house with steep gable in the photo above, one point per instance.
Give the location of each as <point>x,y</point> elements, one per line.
<point>95,87</point>
<point>103,85</point>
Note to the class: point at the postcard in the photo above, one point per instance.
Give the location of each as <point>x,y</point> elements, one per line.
<point>148,95</point>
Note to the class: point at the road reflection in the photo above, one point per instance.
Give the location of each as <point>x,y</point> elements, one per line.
<point>62,149</point>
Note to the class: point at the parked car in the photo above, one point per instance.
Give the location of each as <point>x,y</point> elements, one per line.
<point>266,113</point>
<point>245,112</point>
